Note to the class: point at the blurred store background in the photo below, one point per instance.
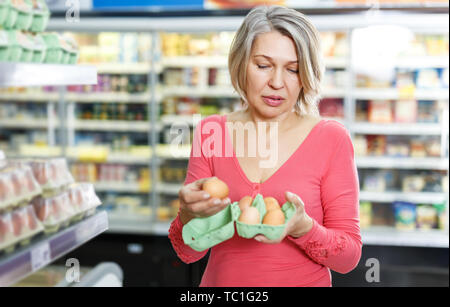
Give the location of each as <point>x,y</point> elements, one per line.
<point>160,62</point>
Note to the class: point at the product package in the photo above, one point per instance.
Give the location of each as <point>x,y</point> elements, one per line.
<point>52,174</point>
<point>405,215</point>
<point>4,7</point>
<point>54,212</point>
<point>41,16</point>
<point>83,200</point>
<point>203,233</point>
<point>18,227</point>
<point>18,186</point>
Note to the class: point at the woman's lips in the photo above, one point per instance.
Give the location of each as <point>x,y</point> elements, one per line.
<point>274,102</point>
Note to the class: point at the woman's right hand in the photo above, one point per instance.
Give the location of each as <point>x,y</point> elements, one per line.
<point>194,202</point>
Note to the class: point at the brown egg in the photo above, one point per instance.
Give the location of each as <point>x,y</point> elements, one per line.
<point>17,223</point>
<point>271,204</point>
<point>3,229</point>
<point>216,188</point>
<point>250,216</point>
<point>245,202</point>
<point>274,217</point>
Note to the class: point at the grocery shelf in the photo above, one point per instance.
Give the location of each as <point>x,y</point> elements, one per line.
<point>131,224</point>
<point>422,62</point>
<point>168,188</point>
<point>397,128</point>
<point>24,74</point>
<point>111,125</point>
<point>46,249</point>
<point>108,97</point>
<point>24,123</point>
<point>29,96</point>
<point>402,163</point>
<point>395,94</point>
<point>201,92</point>
<point>121,187</point>
<point>389,236</point>
<point>123,68</point>
<point>412,197</point>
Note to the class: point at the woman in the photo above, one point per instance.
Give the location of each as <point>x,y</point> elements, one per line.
<point>275,66</point>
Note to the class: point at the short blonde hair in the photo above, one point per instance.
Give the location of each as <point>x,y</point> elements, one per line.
<point>293,24</point>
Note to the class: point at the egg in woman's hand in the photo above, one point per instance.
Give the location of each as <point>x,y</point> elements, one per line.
<point>216,188</point>
<point>274,218</point>
<point>245,202</point>
<point>250,216</point>
<point>271,204</point>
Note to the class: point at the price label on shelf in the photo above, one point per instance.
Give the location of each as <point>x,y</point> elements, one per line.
<point>40,256</point>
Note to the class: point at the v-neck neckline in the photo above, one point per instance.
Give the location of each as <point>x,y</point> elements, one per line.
<point>238,165</point>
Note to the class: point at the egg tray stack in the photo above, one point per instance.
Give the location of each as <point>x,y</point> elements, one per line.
<point>203,233</point>
<point>50,200</point>
<point>18,221</point>
<point>21,39</point>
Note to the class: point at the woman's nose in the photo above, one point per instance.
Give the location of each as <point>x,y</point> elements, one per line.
<point>276,80</point>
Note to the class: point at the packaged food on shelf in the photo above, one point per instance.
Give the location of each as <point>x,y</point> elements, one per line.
<point>18,186</point>
<point>58,49</point>
<point>25,14</point>
<point>405,111</point>
<point>52,174</point>
<point>380,111</point>
<point>39,48</point>
<point>376,144</point>
<point>365,214</point>
<point>41,16</point>
<point>54,212</point>
<point>427,217</point>
<point>428,78</point>
<point>83,199</point>
<point>405,215</point>
<point>4,7</point>
<point>27,47</point>
<point>413,183</point>
<point>15,49</point>
<point>11,14</point>
<point>442,215</point>
<point>18,227</point>
<point>418,147</point>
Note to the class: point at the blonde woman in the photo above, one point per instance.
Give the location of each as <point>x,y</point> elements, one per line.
<point>275,66</point>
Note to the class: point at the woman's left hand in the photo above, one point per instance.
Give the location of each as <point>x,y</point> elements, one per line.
<point>299,225</point>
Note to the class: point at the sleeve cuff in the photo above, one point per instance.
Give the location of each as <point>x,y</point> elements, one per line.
<point>312,235</point>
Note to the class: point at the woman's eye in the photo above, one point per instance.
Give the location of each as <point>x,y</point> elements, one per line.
<point>262,66</point>
<point>294,71</point>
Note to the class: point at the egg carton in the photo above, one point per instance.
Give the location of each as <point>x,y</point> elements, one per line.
<point>18,186</point>
<point>203,233</point>
<point>18,227</point>
<point>53,174</point>
<point>83,200</point>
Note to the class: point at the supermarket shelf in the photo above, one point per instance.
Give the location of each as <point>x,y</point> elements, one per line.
<point>167,152</point>
<point>402,163</point>
<point>14,74</point>
<point>168,188</point>
<point>25,124</point>
<point>29,96</point>
<point>46,249</point>
<point>422,62</point>
<point>394,94</point>
<point>201,92</point>
<point>125,224</point>
<point>108,97</point>
<point>109,125</point>
<point>121,187</point>
<point>388,236</point>
<point>412,197</point>
<point>123,68</point>
<point>397,128</point>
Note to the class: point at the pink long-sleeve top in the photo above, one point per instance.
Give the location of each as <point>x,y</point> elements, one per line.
<point>322,172</point>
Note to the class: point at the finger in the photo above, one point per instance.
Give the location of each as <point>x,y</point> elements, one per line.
<point>209,207</point>
<point>189,196</point>
<point>263,239</point>
<point>295,199</point>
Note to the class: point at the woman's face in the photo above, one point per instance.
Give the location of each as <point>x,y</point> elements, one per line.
<point>273,84</point>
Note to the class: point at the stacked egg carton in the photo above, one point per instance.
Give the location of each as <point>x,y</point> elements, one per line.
<point>22,23</point>
<point>40,196</point>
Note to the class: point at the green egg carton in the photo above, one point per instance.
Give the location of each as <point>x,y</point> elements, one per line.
<point>4,46</point>
<point>11,16</point>
<point>203,233</point>
<point>271,232</point>
<point>72,48</point>
<point>4,8</point>
<point>25,15</point>
<point>41,16</point>
<point>15,49</point>
<point>54,54</point>
<point>27,47</point>
<point>39,49</point>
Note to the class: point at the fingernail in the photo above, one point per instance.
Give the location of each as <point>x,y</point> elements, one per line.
<point>289,194</point>
<point>216,201</point>
<point>205,196</point>
<point>258,239</point>
<point>227,201</point>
